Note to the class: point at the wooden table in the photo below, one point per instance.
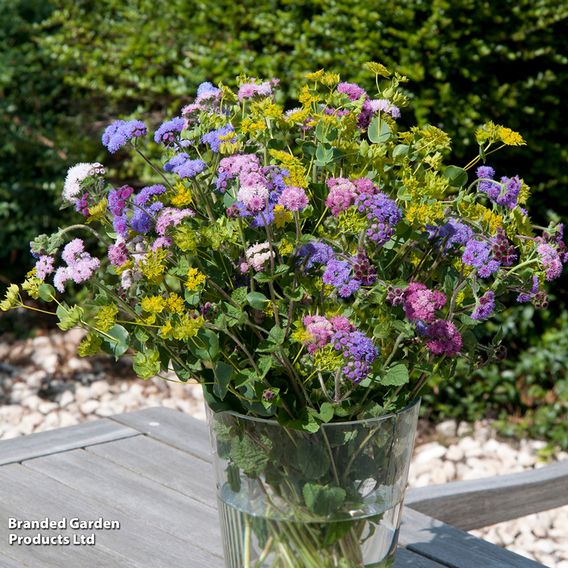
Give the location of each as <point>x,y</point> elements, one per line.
<point>150,471</point>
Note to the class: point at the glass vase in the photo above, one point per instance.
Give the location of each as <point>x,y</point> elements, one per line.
<point>293,499</point>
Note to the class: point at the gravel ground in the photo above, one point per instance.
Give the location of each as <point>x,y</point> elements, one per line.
<point>43,385</point>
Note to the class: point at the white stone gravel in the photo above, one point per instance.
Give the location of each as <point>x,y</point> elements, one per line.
<point>43,385</point>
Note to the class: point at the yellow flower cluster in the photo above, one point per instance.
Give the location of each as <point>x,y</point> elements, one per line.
<point>90,345</point>
<point>350,221</point>
<point>482,214</point>
<point>298,115</point>
<point>301,335</point>
<point>105,318</point>
<point>182,196</point>
<point>174,303</point>
<point>154,265</point>
<point>377,69</point>
<point>184,329</point>
<point>425,213</point>
<point>153,304</point>
<point>306,97</point>
<point>327,359</point>
<point>491,132</point>
<point>285,248</point>
<point>185,238</point>
<point>296,172</point>
<point>282,216</point>
<point>249,126</point>
<point>12,298</point>
<point>194,279</point>
<point>98,211</point>
<point>31,284</point>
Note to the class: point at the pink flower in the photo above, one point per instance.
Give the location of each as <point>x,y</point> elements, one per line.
<point>253,197</point>
<point>320,329</point>
<point>161,242</point>
<point>118,253</point>
<point>258,255</point>
<point>293,198</point>
<point>445,339</point>
<point>341,323</point>
<point>44,266</point>
<point>171,216</point>
<point>251,89</point>
<point>365,186</point>
<point>420,303</point>
<point>342,194</point>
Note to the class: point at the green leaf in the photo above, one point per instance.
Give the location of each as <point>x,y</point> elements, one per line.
<point>257,300</point>
<point>396,376</point>
<point>239,295</point>
<point>456,176</point>
<point>223,376</point>
<point>399,151</point>
<point>120,344</point>
<point>276,335</point>
<point>265,364</point>
<point>379,131</point>
<point>326,412</point>
<point>312,459</point>
<point>324,155</point>
<point>46,292</point>
<point>323,499</point>
<point>250,456</point>
<point>294,294</point>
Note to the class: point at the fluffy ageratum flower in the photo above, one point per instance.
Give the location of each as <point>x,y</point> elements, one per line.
<point>453,233</point>
<point>320,331</point>
<point>505,193</point>
<point>117,199</point>
<point>168,131</point>
<point>443,338</point>
<point>384,105</point>
<point>358,350</point>
<point>118,133</point>
<point>314,253</point>
<point>170,216</point>
<point>141,220</point>
<point>539,298</point>
<point>253,197</point>
<point>44,266</point>
<point>421,303</point>
<point>161,242</point>
<point>80,265</point>
<point>352,90</point>
<point>258,255</point>
<point>550,260</point>
<point>338,273</point>
<point>478,254</point>
<point>293,198</point>
<point>215,138</point>
<point>207,92</point>
<point>364,186</point>
<point>383,214</point>
<point>254,89</point>
<point>82,205</point>
<point>146,193</point>
<point>76,175</point>
<point>120,225</point>
<point>342,194</point>
<point>184,167</point>
<point>118,252</point>
<point>485,307</point>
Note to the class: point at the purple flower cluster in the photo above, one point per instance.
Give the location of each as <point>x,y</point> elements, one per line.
<point>184,167</point>
<point>339,274</point>
<point>505,193</point>
<point>44,266</point>
<point>420,303</point>
<point>315,253</point>
<point>80,265</point>
<point>170,216</point>
<point>207,92</point>
<point>168,131</point>
<point>363,270</point>
<point>550,260</point>
<point>342,194</point>
<point>359,352</point>
<point>117,134</point>
<point>478,254</point>
<point>503,250</point>
<point>82,205</point>
<point>239,165</point>
<point>384,105</point>
<point>453,233</point>
<point>383,215</point>
<point>539,298</point>
<point>370,107</point>
<point>118,253</point>
<point>117,199</point>
<point>485,306</point>
<point>216,137</point>
<point>293,198</point>
<point>443,338</point>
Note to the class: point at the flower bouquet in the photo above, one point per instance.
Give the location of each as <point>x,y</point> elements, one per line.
<point>312,269</point>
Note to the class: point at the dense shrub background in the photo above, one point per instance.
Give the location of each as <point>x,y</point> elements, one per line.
<point>69,66</point>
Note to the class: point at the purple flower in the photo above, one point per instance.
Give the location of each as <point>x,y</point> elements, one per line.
<point>384,105</point>
<point>120,225</point>
<point>337,273</point>
<point>342,194</point>
<point>293,198</point>
<point>420,303</point>
<point>444,338</point>
<point>503,251</point>
<point>352,90</point>
<point>359,352</point>
<point>216,137</point>
<point>118,253</point>
<point>82,205</point>
<point>168,131</point>
<point>254,89</point>
<point>117,134</point>
<point>478,254</point>
<point>315,253</point>
<point>206,92</point>
<point>117,199</point>
<point>237,165</point>
<point>550,260</point>
<point>170,216</point>
<point>184,167</point>
<point>80,265</point>
<point>485,306</point>
<point>363,270</point>
<point>44,266</point>
<point>320,330</point>
<point>146,193</point>
<point>451,234</point>
<point>383,215</point>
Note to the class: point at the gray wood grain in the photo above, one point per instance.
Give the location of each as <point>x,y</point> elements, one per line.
<point>164,464</point>
<point>172,427</point>
<point>479,503</point>
<point>111,485</point>
<point>62,439</point>
<point>6,562</point>
<point>453,547</point>
<point>28,494</point>
<point>406,559</point>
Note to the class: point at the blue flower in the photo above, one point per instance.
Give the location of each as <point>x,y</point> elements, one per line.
<point>118,133</point>
<point>213,138</point>
<point>167,132</point>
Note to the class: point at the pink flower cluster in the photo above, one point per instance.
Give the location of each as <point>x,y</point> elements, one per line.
<point>257,256</point>
<point>171,216</point>
<point>550,260</point>
<point>118,253</point>
<point>420,303</point>
<point>80,265</point>
<point>444,338</point>
<point>253,197</point>
<point>244,166</point>
<point>343,192</point>
<point>293,198</point>
<point>322,330</point>
<point>252,89</point>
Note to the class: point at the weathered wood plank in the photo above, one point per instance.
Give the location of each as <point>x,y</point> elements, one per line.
<point>453,547</point>
<point>114,486</point>
<point>28,494</point>
<point>6,562</point>
<point>479,503</point>
<point>62,439</point>
<point>164,464</point>
<point>172,427</point>
<point>406,559</point>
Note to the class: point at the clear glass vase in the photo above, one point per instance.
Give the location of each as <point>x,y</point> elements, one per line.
<point>293,499</point>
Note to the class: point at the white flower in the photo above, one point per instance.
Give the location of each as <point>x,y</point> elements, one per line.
<point>75,175</point>
<point>258,255</point>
